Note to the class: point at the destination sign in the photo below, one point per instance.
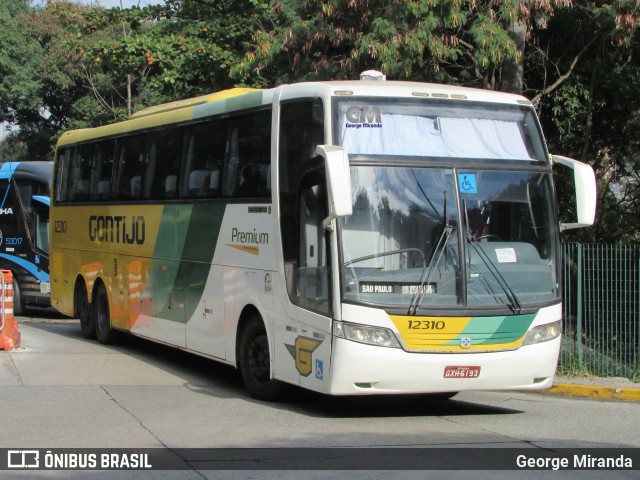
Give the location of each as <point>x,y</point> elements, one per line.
<point>393,288</point>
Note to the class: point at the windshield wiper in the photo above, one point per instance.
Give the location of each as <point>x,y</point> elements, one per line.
<point>512,300</point>
<point>438,251</point>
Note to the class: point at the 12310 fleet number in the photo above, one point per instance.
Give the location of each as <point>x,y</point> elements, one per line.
<point>426,325</point>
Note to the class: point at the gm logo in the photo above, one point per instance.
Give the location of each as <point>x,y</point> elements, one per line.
<point>23,459</point>
<point>364,115</point>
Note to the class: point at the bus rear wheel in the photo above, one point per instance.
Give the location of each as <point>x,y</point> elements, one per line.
<point>87,324</point>
<point>101,317</point>
<point>255,361</point>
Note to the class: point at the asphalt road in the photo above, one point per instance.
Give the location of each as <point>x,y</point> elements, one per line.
<point>62,391</point>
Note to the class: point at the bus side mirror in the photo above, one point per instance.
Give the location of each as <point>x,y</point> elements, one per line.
<point>338,175</point>
<point>585,190</point>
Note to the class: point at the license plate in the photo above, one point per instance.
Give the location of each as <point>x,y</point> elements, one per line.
<point>461,372</point>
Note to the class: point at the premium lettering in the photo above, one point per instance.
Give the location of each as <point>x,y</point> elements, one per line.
<point>249,237</point>
<point>117,229</point>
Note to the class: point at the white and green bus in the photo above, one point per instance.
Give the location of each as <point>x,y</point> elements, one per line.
<point>352,237</point>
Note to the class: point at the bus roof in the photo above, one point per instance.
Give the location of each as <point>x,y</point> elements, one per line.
<point>404,89</point>
<point>242,98</point>
<point>191,102</point>
<point>36,170</point>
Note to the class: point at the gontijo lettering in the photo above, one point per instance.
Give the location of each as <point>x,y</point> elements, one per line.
<point>117,229</point>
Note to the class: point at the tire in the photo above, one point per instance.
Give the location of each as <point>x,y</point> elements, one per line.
<point>87,325</point>
<point>101,318</point>
<point>18,306</point>
<point>255,361</point>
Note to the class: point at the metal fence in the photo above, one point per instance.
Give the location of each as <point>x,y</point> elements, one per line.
<point>601,310</point>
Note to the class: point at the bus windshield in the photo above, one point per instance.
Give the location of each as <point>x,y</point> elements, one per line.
<point>417,238</point>
<point>450,206</point>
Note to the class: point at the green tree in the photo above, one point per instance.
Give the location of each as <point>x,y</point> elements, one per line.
<point>140,57</point>
<point>21,88</point>
<point>464,42</point>
<point>40,78</point>
<point>584,77</point>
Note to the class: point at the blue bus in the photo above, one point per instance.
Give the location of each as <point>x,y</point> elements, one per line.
<point>24,231</point>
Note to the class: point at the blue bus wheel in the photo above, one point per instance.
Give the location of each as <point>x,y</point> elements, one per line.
<point>18,306</point>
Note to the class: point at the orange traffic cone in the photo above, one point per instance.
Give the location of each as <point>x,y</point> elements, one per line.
<point>9,334</point>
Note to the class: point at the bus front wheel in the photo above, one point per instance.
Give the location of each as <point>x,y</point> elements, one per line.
<point>255,361</point>
<point>101,317</point>
<point>18,306</point>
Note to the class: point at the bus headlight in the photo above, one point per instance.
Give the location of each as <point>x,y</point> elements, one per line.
<point>543,333</point>
<point>381,337</point>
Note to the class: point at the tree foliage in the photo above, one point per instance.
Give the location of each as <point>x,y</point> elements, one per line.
<point>22,92</point>
<point>583,74</point>
<point>433,40</point>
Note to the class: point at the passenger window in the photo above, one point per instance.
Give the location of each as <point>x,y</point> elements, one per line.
<point>82,173</point>
<point>102,170</point>
<point>132,168</point>
<point>63,176</point>
<point>248,170</point>
<point>165,158</point>
<point>204,157</point>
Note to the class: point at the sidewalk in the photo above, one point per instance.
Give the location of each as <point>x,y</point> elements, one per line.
<point>604,388</point>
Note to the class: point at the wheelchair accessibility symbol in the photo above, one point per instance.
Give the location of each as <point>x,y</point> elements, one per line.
<point>467,183</point>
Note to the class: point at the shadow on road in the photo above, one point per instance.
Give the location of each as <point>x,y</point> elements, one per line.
<point>218,380</point>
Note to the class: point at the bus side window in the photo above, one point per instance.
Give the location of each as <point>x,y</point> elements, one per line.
<point>82,173</point>
<point>132,167</point>
<point>204,156</point>
<point>82,169</point>
<point>62,176</point>
<point>102,170</point>
<point>164,157</point>
<point>247,171</point>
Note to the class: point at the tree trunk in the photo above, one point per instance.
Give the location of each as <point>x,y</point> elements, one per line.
<point>513,73</point>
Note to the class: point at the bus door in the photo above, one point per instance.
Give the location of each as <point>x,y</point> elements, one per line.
<point>307,334</point>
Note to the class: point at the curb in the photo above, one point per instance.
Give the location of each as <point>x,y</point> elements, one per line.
<point>594,391</point>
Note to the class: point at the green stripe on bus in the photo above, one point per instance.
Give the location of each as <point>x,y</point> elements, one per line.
<point>495,330</point>
<point>184,252</point>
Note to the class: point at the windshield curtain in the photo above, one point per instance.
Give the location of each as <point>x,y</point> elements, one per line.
<point>434,237</point>
<point>438,129</point>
